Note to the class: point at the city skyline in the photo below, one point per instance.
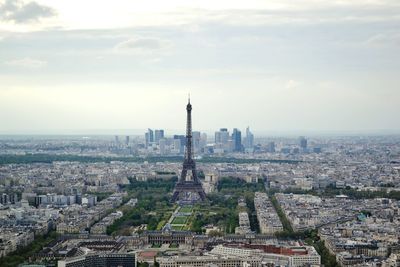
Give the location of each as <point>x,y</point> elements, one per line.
<point>317,66</point>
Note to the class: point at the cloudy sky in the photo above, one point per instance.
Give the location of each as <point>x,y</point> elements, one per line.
<point>275,65</point>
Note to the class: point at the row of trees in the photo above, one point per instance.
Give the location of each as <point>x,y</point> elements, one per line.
<point>238,186</point>
<point>22,254</point>
<point>252,213</point>
<point>49,158</point>
<point>287,227</point>
<point>353,193</point>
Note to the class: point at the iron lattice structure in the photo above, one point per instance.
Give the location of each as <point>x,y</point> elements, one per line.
<point>184,185</point>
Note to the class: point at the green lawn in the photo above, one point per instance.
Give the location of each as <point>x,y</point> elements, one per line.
<point>177,227</point>
<point>179,220</point>
<point>186,209</point>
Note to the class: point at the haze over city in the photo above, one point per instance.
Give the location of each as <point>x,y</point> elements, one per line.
<point>278,66</point>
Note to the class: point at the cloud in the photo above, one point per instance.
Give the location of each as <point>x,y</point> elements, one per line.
<point>143,46</point>
<point>385,39</point>
<point>291,84</point>
<point>27,63</point>
<point>20,12</point>
<point>286,12</point>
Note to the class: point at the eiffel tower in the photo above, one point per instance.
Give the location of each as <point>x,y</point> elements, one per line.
<point>188,187</point>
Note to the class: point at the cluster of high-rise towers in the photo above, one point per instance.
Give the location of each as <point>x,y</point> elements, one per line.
<point>224,142</point>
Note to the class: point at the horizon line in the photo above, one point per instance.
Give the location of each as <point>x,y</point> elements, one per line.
<point>139,132</point>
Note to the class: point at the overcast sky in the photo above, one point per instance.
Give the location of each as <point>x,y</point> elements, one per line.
<point>275,65</point>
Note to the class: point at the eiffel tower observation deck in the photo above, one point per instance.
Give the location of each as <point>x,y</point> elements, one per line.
<point>188,188</point>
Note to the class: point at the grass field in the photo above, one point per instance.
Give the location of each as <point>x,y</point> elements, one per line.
<point>179,220</point>
<point>177,227</point>
<point>186,209</point>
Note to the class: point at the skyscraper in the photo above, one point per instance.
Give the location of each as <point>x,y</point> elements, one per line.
<point>158,135</point>
<point>303,143</point>
<point>237,140</point>
<point>182,139</point>
<point>271,147</point>
<point>177,145</point>
<point>196,141</point>
<point>127,140</point>
<point>162,144</point>
<point>222,136</point>
<point>203,140</point>
<point>249,139</point>
<point>117,140</point>
<point>217,137</point>
<point>149,137</point>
